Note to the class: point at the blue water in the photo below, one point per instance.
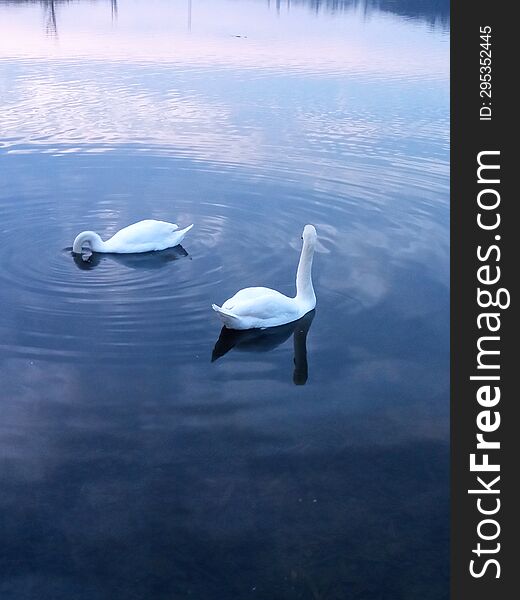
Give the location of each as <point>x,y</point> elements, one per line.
<point>144,453</point>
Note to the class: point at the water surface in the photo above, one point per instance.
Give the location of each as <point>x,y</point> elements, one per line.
<point>145,453</point>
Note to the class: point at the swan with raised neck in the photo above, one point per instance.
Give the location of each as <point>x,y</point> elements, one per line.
<point>260,307</point>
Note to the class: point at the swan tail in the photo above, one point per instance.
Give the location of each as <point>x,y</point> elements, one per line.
<point>228,318</point>
<point>180,233</point>
<point>186,229</point>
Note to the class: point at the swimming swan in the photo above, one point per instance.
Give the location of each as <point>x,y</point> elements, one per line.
<point>145,236</point>
<point>260,307</point>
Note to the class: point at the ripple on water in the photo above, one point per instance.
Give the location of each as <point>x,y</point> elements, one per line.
<point>247,232</point>
<point>58,306</point>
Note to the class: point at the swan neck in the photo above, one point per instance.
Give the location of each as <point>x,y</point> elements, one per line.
<point>91,238</point>
<point>304,288</point>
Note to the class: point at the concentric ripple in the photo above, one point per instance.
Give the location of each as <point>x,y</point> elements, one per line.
<point>156,306</point>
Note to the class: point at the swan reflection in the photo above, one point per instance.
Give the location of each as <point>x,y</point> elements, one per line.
<point>265,340</point>
<point>145,260</point>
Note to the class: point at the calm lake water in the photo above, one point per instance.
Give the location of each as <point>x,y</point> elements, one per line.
<point>145,456</point>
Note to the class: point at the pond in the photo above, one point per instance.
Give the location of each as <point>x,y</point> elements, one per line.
<point>147,454</point>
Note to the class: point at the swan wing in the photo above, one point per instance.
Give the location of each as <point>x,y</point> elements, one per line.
<point>260,303</point>
<point>247,294</point>
<point>144,232</point>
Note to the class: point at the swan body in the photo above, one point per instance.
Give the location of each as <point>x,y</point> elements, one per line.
<point>145,236</point>
<point>260,307</point>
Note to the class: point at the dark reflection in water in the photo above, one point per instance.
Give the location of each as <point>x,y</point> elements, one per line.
<point>434,11</point>
<point>265,340</point>
<point>50,6</point>
<point>132,467</point>
<point>145,260</point>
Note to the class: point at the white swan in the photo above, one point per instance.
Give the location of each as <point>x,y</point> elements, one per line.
<point>260,307</point>
<point>144,236</point>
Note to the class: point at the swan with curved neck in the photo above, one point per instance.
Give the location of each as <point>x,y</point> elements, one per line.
<point>145,236</point>
<point>260,307</point>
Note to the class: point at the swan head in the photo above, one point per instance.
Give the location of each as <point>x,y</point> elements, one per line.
<point>309,234</point>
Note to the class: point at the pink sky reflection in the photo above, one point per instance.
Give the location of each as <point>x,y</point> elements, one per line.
<point>298,40</point>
